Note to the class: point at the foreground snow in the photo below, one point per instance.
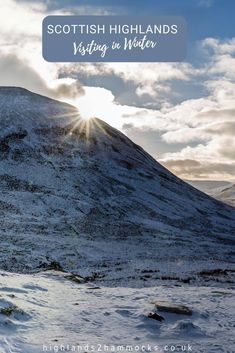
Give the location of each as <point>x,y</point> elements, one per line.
<point>48,309</point>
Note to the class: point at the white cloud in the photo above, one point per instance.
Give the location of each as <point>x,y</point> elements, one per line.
<point>20,20</point>
<point>21,62</point>
<point>205,3</point>
<point>219,46</point>
<point>100,102</point>
<point>151,91</point>
<point>16,72</point>
<point>150,79</point>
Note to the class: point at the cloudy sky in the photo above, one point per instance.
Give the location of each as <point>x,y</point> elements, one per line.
<point>181,113</point>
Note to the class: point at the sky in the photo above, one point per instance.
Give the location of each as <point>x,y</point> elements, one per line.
<point>183,114</point>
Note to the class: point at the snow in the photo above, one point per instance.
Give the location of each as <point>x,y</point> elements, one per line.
<point>57,311</point>
<point>221,190</point>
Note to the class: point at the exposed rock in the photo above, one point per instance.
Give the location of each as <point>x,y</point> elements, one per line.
<point>155,316</point>
<point>75,278</point>
<point>53,265</point>
<point>173,308</point>
<point>94,277</point>
<point>214,272</point>
<point>8,310</point>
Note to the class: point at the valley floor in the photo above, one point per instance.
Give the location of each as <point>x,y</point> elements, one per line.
<point>49,312</point>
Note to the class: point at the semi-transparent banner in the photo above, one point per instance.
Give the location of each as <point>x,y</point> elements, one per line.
<point>114,38</point>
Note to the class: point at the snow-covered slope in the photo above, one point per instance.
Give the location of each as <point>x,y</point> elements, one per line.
<point>226,195</point>
<point>220,190</point>
<point>84,195</point>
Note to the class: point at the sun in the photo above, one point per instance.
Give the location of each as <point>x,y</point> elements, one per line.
<point>81,125</point>
<point>85,127</point>
<point>86,117</point>
<point>85,111</point>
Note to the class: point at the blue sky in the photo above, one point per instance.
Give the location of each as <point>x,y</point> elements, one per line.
<point>183,114</point>
<point>206,18</point>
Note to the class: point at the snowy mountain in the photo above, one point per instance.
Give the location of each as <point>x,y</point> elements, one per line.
<point>220,190</point>
<point>80,196</point>
<point>226,195</point>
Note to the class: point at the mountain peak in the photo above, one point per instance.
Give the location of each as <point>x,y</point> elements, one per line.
<point>23,109</point>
